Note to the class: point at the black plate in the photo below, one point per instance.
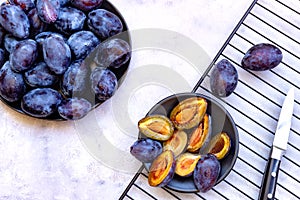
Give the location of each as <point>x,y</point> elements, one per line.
<point>120,72</point>
<point>221,121</point>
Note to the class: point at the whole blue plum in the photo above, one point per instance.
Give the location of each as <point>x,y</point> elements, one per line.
<point>206,172</point>
<point>12,84</point>
<point>262,57</point>
<point>14,20</point>
<point>223,78</point>
<point>146,150</point>
<point>41,102</point>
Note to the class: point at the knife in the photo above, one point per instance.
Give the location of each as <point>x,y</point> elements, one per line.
<point>268,186</point>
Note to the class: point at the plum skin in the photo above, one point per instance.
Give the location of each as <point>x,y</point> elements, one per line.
<point>70,20</point>
<point>262,57</point>
<point>223,79</point>
<point>113,53</point>
<point>12,84</point>
<point>104,23</point>
<point>206,172</point>
<point>41,102</point>
<point>146,150</point>
<point>23,55</point>
<point>74,80</point>
<point>104,83</point>
<point>57,54</point>
<point>74,108</point>
<point>40,76</point>
<point>14,20</point>
<point>82,43</point>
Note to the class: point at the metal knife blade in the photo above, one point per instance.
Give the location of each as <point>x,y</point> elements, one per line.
<point>284,122</point>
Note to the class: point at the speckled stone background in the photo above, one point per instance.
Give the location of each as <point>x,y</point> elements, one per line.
<point>41,160</point>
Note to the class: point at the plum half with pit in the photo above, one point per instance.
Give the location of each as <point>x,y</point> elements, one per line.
<point>162,169</point>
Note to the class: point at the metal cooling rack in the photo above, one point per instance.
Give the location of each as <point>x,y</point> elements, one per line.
<point>255,107</point>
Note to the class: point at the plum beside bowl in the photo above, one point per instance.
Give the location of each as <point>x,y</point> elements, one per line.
<point>120,72</point>
<point>221,121</point>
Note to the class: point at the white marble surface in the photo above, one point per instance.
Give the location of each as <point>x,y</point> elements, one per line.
<point>54,160</point>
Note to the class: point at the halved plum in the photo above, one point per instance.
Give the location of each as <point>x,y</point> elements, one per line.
<point>200,135</point>
<point>162,169</point>
<point>157,127</point>
<point>176,143</point>
<point>188,113</point>
<point>220,145</point>
<point>186,163</point>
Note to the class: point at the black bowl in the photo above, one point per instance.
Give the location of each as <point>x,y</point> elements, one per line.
<point>221,121</point>
<point>120,72</point>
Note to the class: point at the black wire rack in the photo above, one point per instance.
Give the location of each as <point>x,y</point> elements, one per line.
<point>254,105</point>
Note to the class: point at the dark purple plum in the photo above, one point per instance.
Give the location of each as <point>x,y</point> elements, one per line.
<point>70,20</point>
<point>23,55</point>
<point>146,150</point>
<point>48,10</point>
<point>25,5</point>
<point>223,78</point>
<point>113,53</point>
<point>14,20</point>
<point>63,2</point>
<point>86,5</point>
<point>262,57</point>
<point>75,79</point>
<point>2,34</point>
<point>40,38</point>
<point>41,102</point>
<point>104,23</point>
<point>36,24</point>
<point>74,108</point>
<point>12,85</point>
<point>57,54</point>
<point>40,76</point>
<point>82,43</point>
<point>104,83</point>
<point>10,42</point>
<point>206,172</point>
<point>2,57</point>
